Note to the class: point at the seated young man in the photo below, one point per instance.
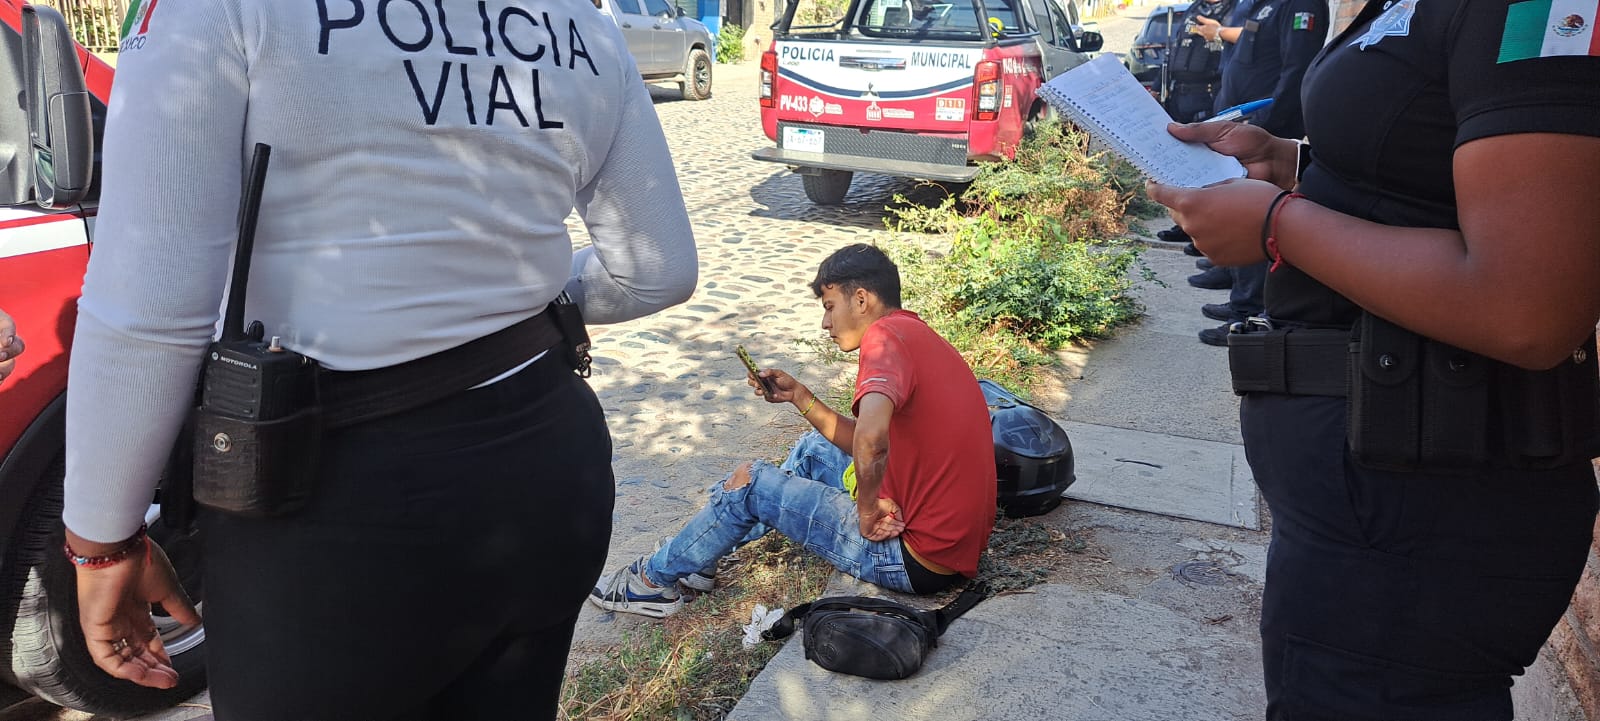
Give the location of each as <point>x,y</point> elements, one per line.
<point>923,455</point>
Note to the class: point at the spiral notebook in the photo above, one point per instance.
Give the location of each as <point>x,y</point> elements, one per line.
<point>1104,99</point>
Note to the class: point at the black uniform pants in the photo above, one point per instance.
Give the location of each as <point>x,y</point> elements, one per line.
<point>1404,596</point>
<point>437,573</point>
<point>1191,101</point>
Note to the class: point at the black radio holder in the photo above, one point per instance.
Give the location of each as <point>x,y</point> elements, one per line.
<point>259,425</point>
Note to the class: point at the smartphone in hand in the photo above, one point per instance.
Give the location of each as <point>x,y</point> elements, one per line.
<point>767,388</point>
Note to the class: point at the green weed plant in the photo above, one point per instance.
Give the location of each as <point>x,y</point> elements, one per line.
<point>730,43</point>
<point>1032,257</point>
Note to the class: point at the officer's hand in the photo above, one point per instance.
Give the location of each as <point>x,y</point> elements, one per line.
<point>10,345</point>
<point>1263,155</point>
<point>1206,28</point>
<point>1223,219</point>
<point>880,519</point>
<point>784,386</point>
<point>114,611</point>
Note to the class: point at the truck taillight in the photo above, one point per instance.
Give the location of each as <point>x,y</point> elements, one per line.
<point>769,75</point>
<point>986,84</point>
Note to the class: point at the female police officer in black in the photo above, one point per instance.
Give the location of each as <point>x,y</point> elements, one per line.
<point>1449,210</point>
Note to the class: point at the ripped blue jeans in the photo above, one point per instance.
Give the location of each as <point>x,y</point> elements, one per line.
<point>804,499</point>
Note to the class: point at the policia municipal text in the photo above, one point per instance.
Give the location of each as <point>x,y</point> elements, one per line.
<point>411,242</point>
<point>1420,406</point>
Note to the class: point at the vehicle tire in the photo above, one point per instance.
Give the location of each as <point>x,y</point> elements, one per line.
<point>697,76</point>
<point>45,649</point>
<point>1042,114</point>
<point>827,187</point>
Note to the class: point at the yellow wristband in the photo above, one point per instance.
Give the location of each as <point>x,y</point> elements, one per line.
<point>809,406</point>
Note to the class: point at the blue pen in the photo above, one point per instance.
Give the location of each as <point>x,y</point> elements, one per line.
<point>1238,111</point>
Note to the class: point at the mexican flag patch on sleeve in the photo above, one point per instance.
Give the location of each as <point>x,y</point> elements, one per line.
<point>1548,28</point>
<point>137,22</point>
<point>1303,21</point>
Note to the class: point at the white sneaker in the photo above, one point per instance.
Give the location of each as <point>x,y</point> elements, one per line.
<point>626,591</point>
<point>703,580</point>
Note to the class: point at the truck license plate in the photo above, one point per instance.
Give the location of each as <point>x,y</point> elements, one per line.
<point>805,140</point>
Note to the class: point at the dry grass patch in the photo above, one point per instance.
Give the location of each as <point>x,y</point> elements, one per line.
<point>693,666</point>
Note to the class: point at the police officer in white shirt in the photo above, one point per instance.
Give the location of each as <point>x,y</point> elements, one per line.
<point>425,157</point>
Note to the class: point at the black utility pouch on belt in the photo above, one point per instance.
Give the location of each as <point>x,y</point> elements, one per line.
<point>871,637</point>
<point>1552,418</point>
<point>1416,403</point>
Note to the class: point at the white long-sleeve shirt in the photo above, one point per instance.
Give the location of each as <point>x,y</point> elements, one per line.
<point>425,155</point>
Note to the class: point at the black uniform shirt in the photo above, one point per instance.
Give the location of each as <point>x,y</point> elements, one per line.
<point>1390,99</point>
<point>1194,59</point>
<point>1277,43</point>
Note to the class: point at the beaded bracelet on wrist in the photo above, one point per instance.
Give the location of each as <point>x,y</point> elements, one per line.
<point>139,542</point>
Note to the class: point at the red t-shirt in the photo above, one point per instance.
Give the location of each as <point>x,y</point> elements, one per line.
<point>941,451</point>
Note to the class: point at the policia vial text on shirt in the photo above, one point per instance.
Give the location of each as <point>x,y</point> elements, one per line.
<point>474,76</point>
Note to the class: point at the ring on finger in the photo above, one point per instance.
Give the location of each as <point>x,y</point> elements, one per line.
<point>119,645</point>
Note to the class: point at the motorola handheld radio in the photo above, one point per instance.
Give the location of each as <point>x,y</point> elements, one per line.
<point>259,424</point>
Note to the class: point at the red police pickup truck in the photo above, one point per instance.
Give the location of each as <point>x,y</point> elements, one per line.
<point>47,208</point>
<point>913,88</point>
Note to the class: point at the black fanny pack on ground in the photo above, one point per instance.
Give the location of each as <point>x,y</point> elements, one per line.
<point>871,637</point>
<point>1415,403</point>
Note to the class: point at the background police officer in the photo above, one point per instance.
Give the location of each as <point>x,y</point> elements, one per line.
<point>1194,64</point>
<point>1274,44</point>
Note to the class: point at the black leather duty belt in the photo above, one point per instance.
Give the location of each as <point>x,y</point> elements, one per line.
<point>352,397</point>
<point>1294,361</point>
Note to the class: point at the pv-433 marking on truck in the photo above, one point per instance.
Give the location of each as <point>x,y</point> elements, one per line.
<point>912,88</point>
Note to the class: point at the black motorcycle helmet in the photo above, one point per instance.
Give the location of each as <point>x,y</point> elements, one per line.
<point>1032,454</point>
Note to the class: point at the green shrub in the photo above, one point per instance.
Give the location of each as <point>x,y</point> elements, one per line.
<point>730,43</point>
<point>1046,288</point>
<point>1032,257</point>
<point>820,12</point>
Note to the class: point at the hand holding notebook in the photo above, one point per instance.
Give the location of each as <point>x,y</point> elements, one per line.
<point>1104,99</point>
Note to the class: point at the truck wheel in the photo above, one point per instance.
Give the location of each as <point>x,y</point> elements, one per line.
<point>827,187</point>
<point>45,648</point>
<point>697,76</point>
<point>1043,114</point>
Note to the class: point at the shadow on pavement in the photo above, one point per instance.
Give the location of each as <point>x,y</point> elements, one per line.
<point>781,196</point>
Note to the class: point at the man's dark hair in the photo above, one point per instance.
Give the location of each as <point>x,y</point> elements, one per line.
<point>860,266</point>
